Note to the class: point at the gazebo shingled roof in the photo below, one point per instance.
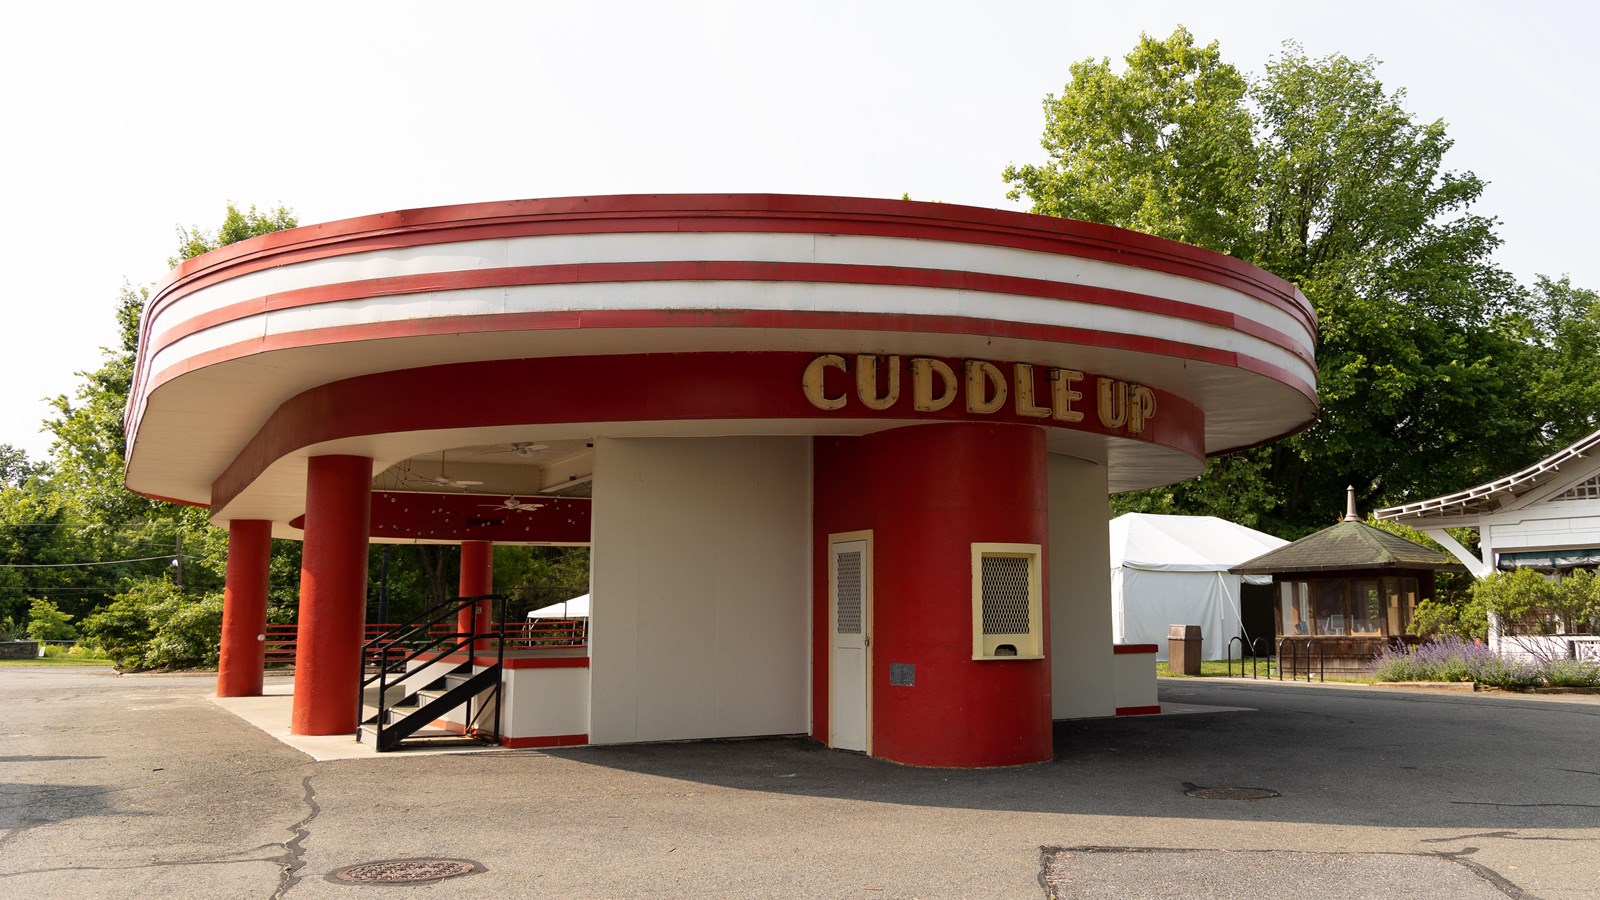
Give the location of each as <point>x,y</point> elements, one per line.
<point>1349,545</point>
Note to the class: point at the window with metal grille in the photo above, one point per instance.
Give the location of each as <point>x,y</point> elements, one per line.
<point>1007,622</point>
<point>848,589</point>
<point>1007,604</point>
<point>1588,490</point>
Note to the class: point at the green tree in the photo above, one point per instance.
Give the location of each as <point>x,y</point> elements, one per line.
<point>48,623</point>
<point>1564,336</point>
<point>237,225</point>
<point>1317,173</point>
<point>15,469</point>
<point>1166,147</point>
<point>70,531</point>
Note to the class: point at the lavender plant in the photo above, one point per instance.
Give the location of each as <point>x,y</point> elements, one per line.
<point>1453,659</point>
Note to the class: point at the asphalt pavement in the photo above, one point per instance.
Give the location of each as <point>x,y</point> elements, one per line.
<point>145,786</point>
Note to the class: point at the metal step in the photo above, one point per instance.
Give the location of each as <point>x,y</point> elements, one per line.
<point>429,737</point>
<point>432,708</point>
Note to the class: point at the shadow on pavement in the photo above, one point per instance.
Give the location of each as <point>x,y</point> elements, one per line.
<point>1336,756</point>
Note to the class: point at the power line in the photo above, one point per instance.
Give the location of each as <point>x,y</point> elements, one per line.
<point>109,562</point>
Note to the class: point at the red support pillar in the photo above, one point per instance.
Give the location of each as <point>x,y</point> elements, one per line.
<point>477,579</point>
<point>244,609</point>
<point>928,493</point>
<point>333,595</point>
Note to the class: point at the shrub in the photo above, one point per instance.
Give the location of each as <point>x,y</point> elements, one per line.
<point>1467,619</point>
<point>1521,598</point>
<point>76,651</point>
<point>1576,601</point>
<point>1571,673</point>
<point>1452,659</point>
<point>152,625</point>
<point>46,622</point>
<point>1503,671</point>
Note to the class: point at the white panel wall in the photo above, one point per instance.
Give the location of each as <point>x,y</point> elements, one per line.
<point>701,578</point>
<point>1082,682</point>
<point>545,702</point>
<point>1135,675</point>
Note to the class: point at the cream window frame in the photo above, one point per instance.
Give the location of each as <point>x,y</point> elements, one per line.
<point>1029,645</point>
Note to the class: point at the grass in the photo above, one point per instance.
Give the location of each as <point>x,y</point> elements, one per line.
<point>58,661</point>
<point>1217,668</point>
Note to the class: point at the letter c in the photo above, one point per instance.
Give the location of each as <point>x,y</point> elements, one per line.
<point>812,382</point>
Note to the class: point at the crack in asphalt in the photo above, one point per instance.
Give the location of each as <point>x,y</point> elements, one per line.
<point>1525,805</point>
<point>1048,855</point>
<point>1500,882</point>
<point>153,864</point>
<point>1506,835</point>
<point>293,859</point>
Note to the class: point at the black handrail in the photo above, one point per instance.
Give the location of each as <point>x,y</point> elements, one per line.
<point>419,639</point>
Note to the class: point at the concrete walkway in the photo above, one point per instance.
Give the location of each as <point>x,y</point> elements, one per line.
<point>144,786</point>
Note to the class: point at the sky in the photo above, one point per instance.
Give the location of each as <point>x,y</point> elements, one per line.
<point>123,122</point>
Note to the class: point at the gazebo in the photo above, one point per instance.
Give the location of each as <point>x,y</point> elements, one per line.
<point>1345,593</point>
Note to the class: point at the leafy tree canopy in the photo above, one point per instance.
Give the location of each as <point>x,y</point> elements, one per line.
<point>1429,354</point>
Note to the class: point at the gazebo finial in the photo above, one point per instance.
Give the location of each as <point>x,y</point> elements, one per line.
<point>1350,504</point>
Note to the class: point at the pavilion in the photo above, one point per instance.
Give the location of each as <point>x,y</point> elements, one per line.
<point>843,463</point>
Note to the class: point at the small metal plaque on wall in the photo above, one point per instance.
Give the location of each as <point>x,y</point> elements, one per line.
<point>902,674</point>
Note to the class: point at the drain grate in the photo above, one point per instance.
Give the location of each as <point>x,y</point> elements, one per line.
<point>1227,793</point>
<point>404,871</point>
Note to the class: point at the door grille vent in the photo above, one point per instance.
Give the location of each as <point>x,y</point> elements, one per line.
<point>848,575</point>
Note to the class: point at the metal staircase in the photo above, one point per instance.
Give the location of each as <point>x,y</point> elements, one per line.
<point>418,673</point>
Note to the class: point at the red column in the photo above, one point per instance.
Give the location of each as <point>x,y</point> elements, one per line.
<point>333,595</point>
<point>928,493</point>
<point>244,609</point>
<point>477,579</point>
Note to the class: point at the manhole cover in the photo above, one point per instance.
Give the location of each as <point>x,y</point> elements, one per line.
<point>404,871</point>
<point>1227,793</point>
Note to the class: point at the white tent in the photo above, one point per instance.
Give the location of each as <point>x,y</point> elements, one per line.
<point>576,608</point>
<point>1173,570</point>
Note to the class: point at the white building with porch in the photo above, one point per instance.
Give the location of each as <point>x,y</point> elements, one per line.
<point>1546,516</point>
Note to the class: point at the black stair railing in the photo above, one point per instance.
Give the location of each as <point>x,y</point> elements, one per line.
<point>428,638</point>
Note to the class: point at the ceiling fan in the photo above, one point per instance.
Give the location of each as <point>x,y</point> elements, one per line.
<point>515,505</point>
<point>524,449</point>
<point>443,480</point>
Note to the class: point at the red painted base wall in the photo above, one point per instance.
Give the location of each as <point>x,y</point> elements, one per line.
<point>928,493</point>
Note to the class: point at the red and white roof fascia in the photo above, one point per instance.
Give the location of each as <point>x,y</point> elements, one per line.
<point>234,334</point>
<point>1464,509</point>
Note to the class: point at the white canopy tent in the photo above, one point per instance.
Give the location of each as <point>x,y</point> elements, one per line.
<point>576,608</point>
<point>1173,570</point>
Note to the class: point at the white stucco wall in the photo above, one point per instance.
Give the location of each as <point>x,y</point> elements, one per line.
<point>1081,675</point>
<point>701,588</point>
<point>1136,680</point>
<point>545,702</point>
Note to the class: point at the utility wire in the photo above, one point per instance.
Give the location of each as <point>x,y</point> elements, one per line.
<point>109,562</point>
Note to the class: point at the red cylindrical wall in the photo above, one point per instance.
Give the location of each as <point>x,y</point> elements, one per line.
<point>477,579</point>
<point>931,492</point>
<point>333,595</point>
<point>244,609</point>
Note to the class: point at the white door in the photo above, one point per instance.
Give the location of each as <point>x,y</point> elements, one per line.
<point>847,602</point>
